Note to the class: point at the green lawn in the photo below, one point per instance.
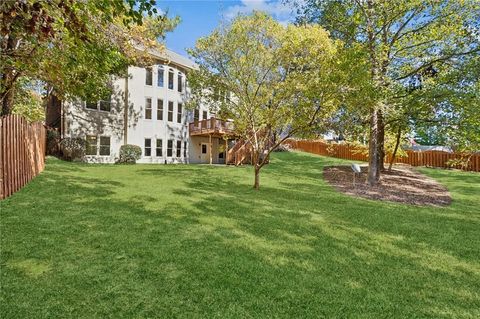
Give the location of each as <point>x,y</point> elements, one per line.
<point>195,241</point>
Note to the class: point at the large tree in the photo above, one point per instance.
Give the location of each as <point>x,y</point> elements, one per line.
<point>281,80</point>
<point>403,40</point>
<point>73,46</point>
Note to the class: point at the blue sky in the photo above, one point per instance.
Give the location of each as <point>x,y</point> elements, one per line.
<point>200,17</point>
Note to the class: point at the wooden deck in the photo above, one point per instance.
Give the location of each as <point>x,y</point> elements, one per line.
<point>211,127</point>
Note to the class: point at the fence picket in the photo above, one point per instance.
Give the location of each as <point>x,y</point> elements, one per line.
<point>22,153</point>
<point>414,158</point>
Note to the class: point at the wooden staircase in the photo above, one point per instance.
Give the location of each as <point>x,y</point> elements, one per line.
<point>239,154</point>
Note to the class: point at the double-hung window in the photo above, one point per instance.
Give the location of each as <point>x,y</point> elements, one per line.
<point>160,109</point>
<point>170,79</point>
<point>105,145</point>
<point>185,149</point>
<point>158,148</point>
<point>180,82</point>
<point>170,148</point>
<point>205,115</point>
<point>148,108</point>
<point>170,111</point>
<point>179,148</point>
<point>160,75</point>
<point>91,147</point>
<point>148,76</point>
<point>97,145</point>
<point>147,150</point>
<point>179,112</point>
<point>196,115</point>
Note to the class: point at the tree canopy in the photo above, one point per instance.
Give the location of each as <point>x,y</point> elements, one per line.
<point>272,80</point>
<point>413,50</point>
<point>74,46</point>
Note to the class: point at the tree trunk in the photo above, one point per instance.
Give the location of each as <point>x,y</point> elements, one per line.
<point>397,143</point>
<point>381,141</point>
<point>8,81</point>
<point>6,96</point>
<point>257,167</point>
<point>256,185</point>
<point>374,148</point>
<point>373,151</point>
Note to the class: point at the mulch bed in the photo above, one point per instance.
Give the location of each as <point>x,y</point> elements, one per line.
<point>403,184</point>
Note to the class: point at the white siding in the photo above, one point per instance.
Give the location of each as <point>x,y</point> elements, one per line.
<point>80,121</point>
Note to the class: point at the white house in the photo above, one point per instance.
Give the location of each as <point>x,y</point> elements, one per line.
<point>148,110</point>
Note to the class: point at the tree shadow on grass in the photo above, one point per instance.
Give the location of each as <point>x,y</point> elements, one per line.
<point>377,256</point>
<point>216,247</point>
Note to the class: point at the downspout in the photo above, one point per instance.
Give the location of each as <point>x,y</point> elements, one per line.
<point>62,119</point>
<point>125,112</point>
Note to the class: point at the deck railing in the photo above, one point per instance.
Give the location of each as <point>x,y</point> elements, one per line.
<point>211,126</point>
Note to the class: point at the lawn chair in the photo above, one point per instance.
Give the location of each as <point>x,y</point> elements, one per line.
<point>356,170</point>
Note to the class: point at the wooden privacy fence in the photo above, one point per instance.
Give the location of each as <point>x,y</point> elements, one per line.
<point>359,153</point>
<point>22,152</point>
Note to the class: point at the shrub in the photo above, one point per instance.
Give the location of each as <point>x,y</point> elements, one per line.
<point>53,142</point>
<point>129,154</point>
<point>462,162</point>
<point>282,148</point>
<point>73,148</point>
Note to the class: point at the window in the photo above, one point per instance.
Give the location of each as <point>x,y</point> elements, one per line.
<point>160,109</point>
<point>160,76</point>
<point>93,147</point>
<point>91,105</point>
<point>105,105</point>
<point>170,79</point>
<point>196,115</point>
<point>205,115</point>
<point>185,149</point>
<point>170,148</point>
<point>148,76</point>
<point>147,151</point>
<point>148,108</point>
<point>170,111</point>
<point>179,113</point>
<point>179,148</point>
<point>105,145</point>
<point>204,148</point>
<point>101,105</point>
<point>221,96</point>
<point>158,149</point>
<point>91,141</point>
<point>180,82</point>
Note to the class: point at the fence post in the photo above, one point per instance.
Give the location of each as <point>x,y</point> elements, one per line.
<point>2,161</point>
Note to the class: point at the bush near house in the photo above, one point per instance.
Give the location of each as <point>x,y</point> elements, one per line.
<point>73,148</point>
<point>129,154</point>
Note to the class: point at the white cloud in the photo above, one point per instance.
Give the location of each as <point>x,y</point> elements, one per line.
<point>282,12</point>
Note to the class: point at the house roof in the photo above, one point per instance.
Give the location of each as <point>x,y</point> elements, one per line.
<point>172,57</point>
